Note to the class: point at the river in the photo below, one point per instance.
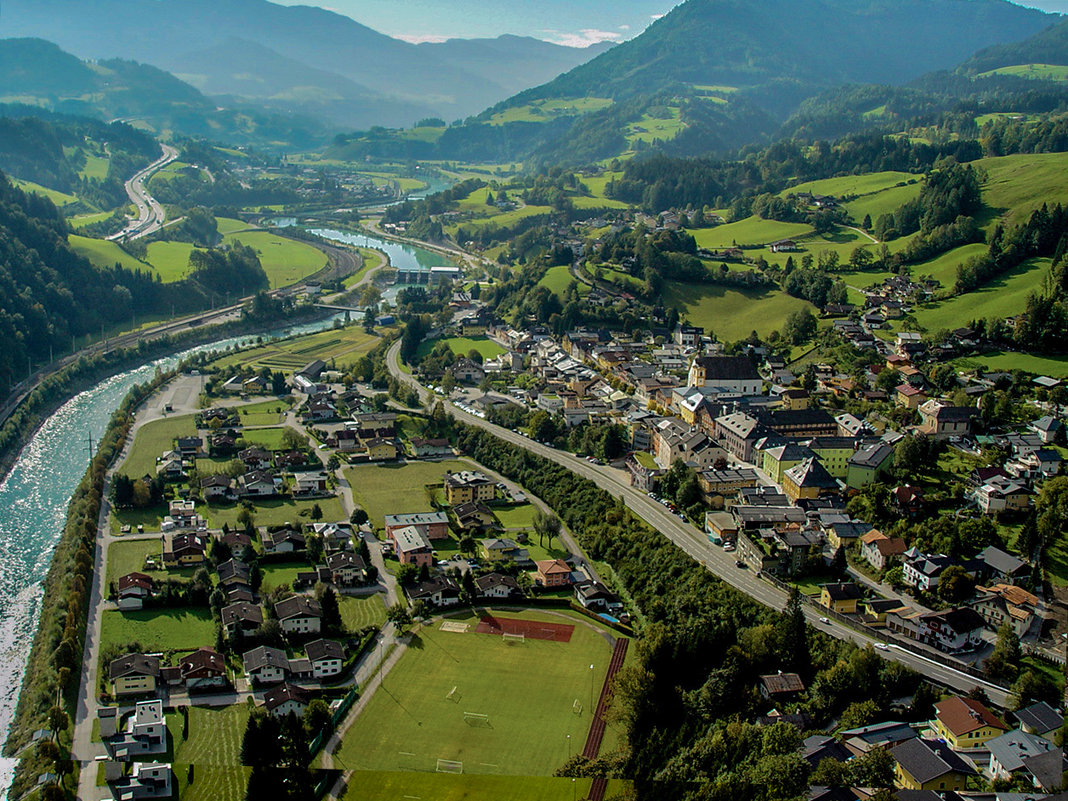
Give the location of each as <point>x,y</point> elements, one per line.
<point>33,506</point>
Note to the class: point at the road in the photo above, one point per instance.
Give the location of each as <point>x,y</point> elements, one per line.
<point>150,214</point>
<point>697,546</point>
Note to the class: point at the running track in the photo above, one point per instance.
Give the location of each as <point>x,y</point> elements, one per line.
<point>597,725</point>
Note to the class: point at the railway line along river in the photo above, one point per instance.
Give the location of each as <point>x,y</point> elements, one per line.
<point>33,506</point>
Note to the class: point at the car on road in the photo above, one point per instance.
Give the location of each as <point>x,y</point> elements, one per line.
<point>443,563</point>
<point>730,546</point>
<point>740,564</point>
<point>882,646</point>
<point>824,620</point>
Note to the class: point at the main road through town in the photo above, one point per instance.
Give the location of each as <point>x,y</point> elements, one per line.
<point>696,545</point>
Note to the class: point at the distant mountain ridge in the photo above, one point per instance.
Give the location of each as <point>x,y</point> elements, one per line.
<point>176,34</point>
<point>1049,46</point>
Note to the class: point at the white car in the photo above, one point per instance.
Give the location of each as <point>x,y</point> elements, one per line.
<point>824,620</point>
<point>882,646</point>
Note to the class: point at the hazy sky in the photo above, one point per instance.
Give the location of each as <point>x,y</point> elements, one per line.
<point>572,22</point>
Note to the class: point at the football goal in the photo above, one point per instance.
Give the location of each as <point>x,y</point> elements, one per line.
<point>454,695</point>
<point>450,766</point>
<point>513,639</point>
<point>477,720</point>
<point>577,707</point>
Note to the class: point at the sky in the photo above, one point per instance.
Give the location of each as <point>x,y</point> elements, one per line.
<point>576,23</point>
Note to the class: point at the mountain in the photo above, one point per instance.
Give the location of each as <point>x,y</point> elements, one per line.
<point>1046,47</point>
<point>177,34</point>
<point>245,70</point>
<point>513,63</point>
<point>36,72</point>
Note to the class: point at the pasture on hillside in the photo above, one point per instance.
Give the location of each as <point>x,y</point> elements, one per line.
<point>730,313</point>
<point>1017,185</point>
<point>285,261</point>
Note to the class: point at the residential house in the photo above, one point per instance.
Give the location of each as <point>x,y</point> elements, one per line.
<point>923,571</point>
<point>807,481</point>
<point>753,517</point>
<point>474,517</point>
<point>1040,719</point>
<point>1047,428</point>
<point>880,550</point>
<point>411,547</point>
<point>842,531</point>
<point>841,597</point>
<point>335,536</point>
<point>439,591</point>
<point>133,589</point>
<point>781,686</point>
<point>258,484</point>
<point>731,374</point>
<point>283,540</point>
<point>1005,603</point>
<point>425,448</point>
<point>256,458</point>
<point>498,586</point>
<point>146,733</point>
<point>965,723</point>
<point>780,553</point>
<point>775,461</point>
<point>432,525</point>
<point>1002,495</point>
<point>217,488</point>
<point>285,699</point>
<point>326,656</point>
<point>190,447</point>
<point>374,425</point>
<point>883,735</point>
<point>309,483</point>
<point>1003,567</point>
<point>674,441</point>
<point>170,467</point>
<point>299,615</point>
<point>795,399</point>
<point>204,669</point>
<point>907,500</point>
<point>468,486</point>
<point>688,336</point>
<point>145,780</point>
<point>738,433</point>
<point>504,550</point>
<point>1010,752</point>
<point>234,572</point>
<point>241,618</point>
<point>467,371</point>
<point>909,396</point>
<point>834,453</point>
<point>868,464</point>
<point>134,674</point>
<point>726,482</point>
<point>552,573</point>
<point>929,765</point>
<point>181,514</point>
<point>951,630</point>
<point>183,550</point>
<point>265,665</point>
<point>799,422</point>
<point>346,569</point>
<point>942,421</point>
<point>596,597</point>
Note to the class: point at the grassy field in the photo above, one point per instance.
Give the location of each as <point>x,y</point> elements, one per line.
<point>152,440</point>
<point>545,110</point>
<point>104,254</point>
<point>852,184</point>
<point>269,438</point>
<point>1023,183</point>
<point>1039,72</point>
<point>278,573</point>
<point>59,198</point>
<point>228,225</point>
<point>357,613</point>
<point>527,690</point>
<point>284,260</point>
<point>393,785</point>
<point>82,220</point>
<point>170,259</point>
<point>557,279</point>
<point>372,260</point>
<point>885,201</point>
<point>159,629</point>
<point>95,167</point>
<point>750,231</point>
<point>342,345</point>
<point>214,748</point>
<point>1002,297</point>
<point>944,268</point>
<point>649,129</point>
<point>461,346</point>
<point>385,489</point>
<point>489,216</point>
<point>265,413</point>
<point>277,512</point>
<point>733,313</point>
<point>129,557</point>
<point>516,517</point>
<point>1039,365</point>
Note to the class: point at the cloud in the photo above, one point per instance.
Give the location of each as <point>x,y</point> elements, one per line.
<point>419,38</point>
<point>624,27</point>
<point>583,38</point>
<point>656,16</point>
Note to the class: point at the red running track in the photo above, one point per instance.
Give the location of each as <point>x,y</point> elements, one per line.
<point>597,725</point>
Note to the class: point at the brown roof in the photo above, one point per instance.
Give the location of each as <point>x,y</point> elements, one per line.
<point>1017,596</point>
<point>783,683</point>
<point>135,580</point>
<point>205,661</point>
<point>552,566</point>
<point>962,715</point>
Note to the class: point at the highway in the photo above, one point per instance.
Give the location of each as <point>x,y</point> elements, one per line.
<point>150,214</point>
<point>697,546</point>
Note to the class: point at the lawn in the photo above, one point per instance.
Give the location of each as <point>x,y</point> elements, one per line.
<point>277,573</point>
<point>277,512</point>
<point>1041,72</point>
<point>95,167</point>
<point>360,612</point>
<point>886,201</point>
<point>82,220</point>
<point>269,438</point>
<point>159,629</point>
<point>1002,297</point>
<point>1006,360</point>
<point>944,268</point>
<point>750,231</point>
<point>284,260</point>
<point>170,260</point>
<point>392,785</point>
<point>341,345</point>
<point>214,748</point>
<point>152,440</point>
<point>129,557</point>
<point>461,346</point>
<point>557,279</point>
<point>384,489</point>
<point>58,198</point>
<point>866,184</point>
<point>733,313</point>
<point>527,690</point>
<point>1057,560</point>
<point>228,225</point>
<point>649,129</point>
<point>104,254</point>
<point>265,413</point>
<point>515,517</point>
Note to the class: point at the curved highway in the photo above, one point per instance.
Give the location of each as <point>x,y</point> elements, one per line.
<point>697,546</point>
<point>150,214</point>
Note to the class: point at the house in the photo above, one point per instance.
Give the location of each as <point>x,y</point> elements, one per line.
<point>1047,771</point>
<point>841,597</point>
<point>134,674</point>
<point>923,571</point>
<point>1040,719</point>
<point>468,486</point>
<point>411,546</point>
<point>1047,428</point>
<point>285,699</point>
<point>843,533</point>
<point>1003,567</point>
<point>233,572</point>
<point>498,585</point>
<point>190,447</point>
<point>335,536</point>
<point>688,336</point>
<point>439,591</point>
<point>951,629</point>
<point>255,458</point>
<point>907,500</point>
<point>726,482</point>
<point>283,540</point>
<point>346,569</point>
<point>170,467</point>
<point>257,484</point>
<point>929,765</point>
<point>203,669</point>
<point>372,425</point>
<point>474,517</point>
<point>780,553</point>
<point>424,448</point>
<point>593,595</point>
<point>819,747</point>
<point>265,665</point>
<point>778,459</point>
<point>1010,753</point>
<point>868,464</point>
<point>673,441</point>
<point>941,421</point>
<point>504,550</point>
<point>738,432</point>
<point>834,453</point>
<point>217,488</point>
<point>381,449</point>
<point>885,734</point>
<point>241,618</point>
<point>552,573</point>
<point>1005,603</point>
<point>299,615</point>
<point>133,589</point>
<point>795,399</point>
<point>181,514</point>
<point>808,480</point>
<point>326,656</point>
<point>145,780</point>
<point>880,550</point>
<point>783,246</point>
<point>1002,495</point>
<point>432,525</point>
<point>781,686</point>
<point>909,396</point>
<point>874,611</point>
<point>721,527</point>
<point>309,483</point>
<point>730,374</point>
<point>182,550</point>
<point>965,723</point>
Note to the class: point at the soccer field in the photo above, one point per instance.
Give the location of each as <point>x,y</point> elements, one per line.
<point>528,691</point>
